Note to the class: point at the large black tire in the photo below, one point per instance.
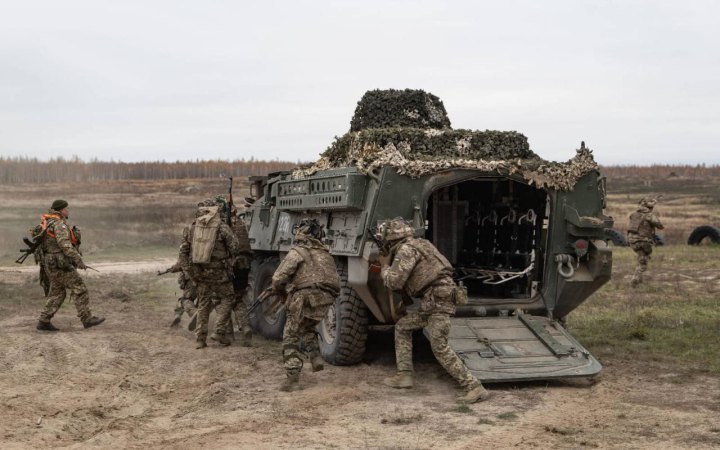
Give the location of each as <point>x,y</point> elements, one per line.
<point>704,233</point>
<point>343,332</point>
<point>614,237</point>
<point>270,326</point>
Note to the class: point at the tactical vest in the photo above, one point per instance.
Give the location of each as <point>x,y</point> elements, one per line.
<point>205,237</point>
<point>636,219</point>
<point>317,270</point>
<point>241,232</point>
<point>431,267</point>
<point>640,225</point>
<point>47,225</point>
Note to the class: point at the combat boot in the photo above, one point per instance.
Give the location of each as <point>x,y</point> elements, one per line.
<point>317,362</point>
<point>91,322</point>
<point>220,339</point>
<point>291,383</point>
<point>246,339</point>
<point>176,321</point>
<point>401,380</point>
<point>46,326</point>
<point>200,343</point>
<point>476,394</point>
<point>193,322</point>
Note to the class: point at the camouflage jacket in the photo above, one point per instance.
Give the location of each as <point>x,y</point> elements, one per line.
<point>59,238</point>
<point>308,264</point>
<point>226,248</point>
<point>643,224</point>
<point>245,257</point>
<point>417,268</point>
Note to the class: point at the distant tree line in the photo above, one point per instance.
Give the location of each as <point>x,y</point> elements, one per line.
<point>659,171</point>
<point>32,170</point>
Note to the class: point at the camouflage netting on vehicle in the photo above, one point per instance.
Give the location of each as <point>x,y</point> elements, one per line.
<point>410,131</point>
<point>430,144</point>
<point>388,108</point>
<point>538,172</point>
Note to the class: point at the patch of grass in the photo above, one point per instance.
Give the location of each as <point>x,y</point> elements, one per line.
<point>672,318</point>
<point>507,416</point>
<point>485,421</point>
<point>463,409</point>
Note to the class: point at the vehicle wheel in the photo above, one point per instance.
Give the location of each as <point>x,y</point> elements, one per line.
<point>703,235</point>
<point>659,240</point>
<point>260,278</point>
<point>614,237</point>
<point>343,332</point>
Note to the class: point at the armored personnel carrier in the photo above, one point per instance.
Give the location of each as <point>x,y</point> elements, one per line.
<point>526,236</point>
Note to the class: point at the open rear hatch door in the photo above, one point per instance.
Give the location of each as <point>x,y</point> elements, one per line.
<point>516,348</point>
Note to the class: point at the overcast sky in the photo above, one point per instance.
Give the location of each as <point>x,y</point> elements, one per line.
<point>178,80</point>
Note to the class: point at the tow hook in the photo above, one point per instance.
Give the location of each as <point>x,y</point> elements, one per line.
<point>565,268</point>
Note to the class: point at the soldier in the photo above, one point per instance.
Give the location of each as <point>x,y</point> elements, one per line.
<point>207,246</point>
<point>309,276</point>
<point>641,236</point>
<point>61,260</point>
<point>241,270</point>
<point>415,266</point>
<point>186,303</point>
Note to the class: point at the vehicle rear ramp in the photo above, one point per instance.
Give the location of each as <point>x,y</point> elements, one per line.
<point>519,348</point>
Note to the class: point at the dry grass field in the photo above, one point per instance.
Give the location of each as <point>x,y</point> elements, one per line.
<point>135,383</point>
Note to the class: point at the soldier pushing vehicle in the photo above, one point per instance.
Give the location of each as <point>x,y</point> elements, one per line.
<point>308,275</point>
<point>415,267</point>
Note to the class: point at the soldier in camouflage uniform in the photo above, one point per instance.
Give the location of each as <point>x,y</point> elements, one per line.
<point>309,276</point>
<point>241,271</point>
<point>207,246</point>
<point>641,236</point>
<point>420,270</point>
<point>186,303</point>
<point>61,259</point>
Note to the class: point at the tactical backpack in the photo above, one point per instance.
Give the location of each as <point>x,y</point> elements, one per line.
<point>204,234</point>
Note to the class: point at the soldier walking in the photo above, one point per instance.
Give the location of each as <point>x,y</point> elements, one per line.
<point>207,246</point>
<point>61,258</point>
<point>416,267</point>
<point>309,276</point>
<point>641,236</point>
<point>185,303</point>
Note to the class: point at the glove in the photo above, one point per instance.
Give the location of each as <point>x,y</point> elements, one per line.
<point>384,260</point>
<point>81,265</point>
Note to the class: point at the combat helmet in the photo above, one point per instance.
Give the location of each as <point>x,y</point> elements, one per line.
<point>308,228</point>
<point>648,202</point>
<point>395,229</point>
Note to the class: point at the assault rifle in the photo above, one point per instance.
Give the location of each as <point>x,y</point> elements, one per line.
<point>229,204</point>
<point>277,305</point>
<point>171,269</point>
<point>31,247</point>
<point>382,245</point>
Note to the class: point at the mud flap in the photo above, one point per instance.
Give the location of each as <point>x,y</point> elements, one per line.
<point>518,348</point>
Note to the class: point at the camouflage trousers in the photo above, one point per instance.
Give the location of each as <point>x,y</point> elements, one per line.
<point>305,309</point>
<point>61,282</point>
<point>643,250</point>
<point>186,303</point>
<point>438,328</point>
<point>207,290</point>
<point>241,312</point>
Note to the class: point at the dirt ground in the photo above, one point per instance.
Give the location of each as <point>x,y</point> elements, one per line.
<point>133,382</point>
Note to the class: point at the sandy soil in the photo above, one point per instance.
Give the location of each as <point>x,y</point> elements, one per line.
<point>135,383</point>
